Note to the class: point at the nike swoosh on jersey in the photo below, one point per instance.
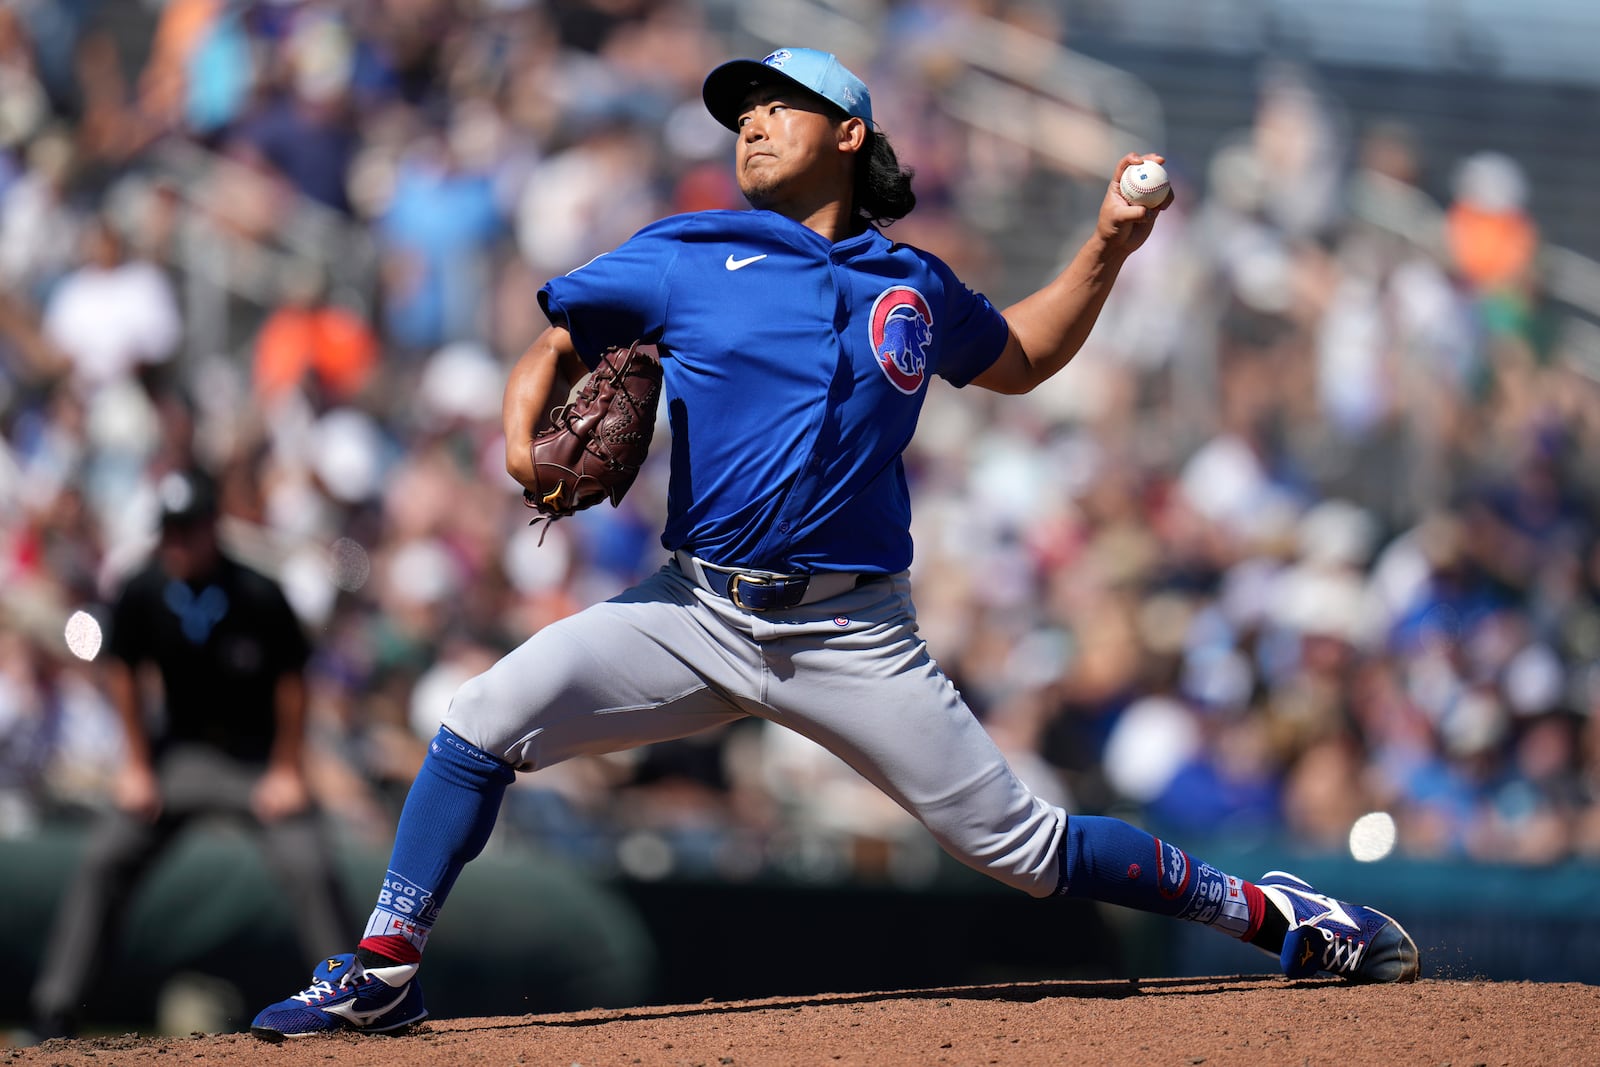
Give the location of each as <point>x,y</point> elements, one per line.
<point>361,1018</point>
<point>737,264</point>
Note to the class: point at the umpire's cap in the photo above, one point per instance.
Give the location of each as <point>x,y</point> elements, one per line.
<point>816,72</point>
<point>186,497</point>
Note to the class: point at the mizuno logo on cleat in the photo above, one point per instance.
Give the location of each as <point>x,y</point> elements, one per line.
<point>348,1010</point>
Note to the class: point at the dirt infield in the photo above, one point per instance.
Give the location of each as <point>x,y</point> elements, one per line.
<point>1182,1021</point>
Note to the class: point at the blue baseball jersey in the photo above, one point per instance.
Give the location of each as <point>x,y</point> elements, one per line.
<point>795,370</point>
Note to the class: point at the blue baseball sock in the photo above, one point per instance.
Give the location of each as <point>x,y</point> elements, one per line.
<point>446,821</point>
<point>1110,861</point>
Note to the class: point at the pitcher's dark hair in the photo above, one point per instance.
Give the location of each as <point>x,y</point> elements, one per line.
<point>883,187</point>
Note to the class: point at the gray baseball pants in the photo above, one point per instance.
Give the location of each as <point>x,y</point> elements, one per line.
<point>669,658</point>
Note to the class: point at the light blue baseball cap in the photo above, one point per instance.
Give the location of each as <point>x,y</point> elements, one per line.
<point>818,72</point>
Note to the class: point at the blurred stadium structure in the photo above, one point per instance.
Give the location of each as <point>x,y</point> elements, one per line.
<point>1308,532</point>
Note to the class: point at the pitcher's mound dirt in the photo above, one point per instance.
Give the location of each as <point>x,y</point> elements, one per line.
<point>1182,1021</point>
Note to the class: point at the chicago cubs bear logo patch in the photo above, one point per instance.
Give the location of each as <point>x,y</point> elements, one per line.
<point>902,330</point>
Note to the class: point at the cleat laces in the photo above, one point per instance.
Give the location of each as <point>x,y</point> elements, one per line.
<point>315,993</point>
<point>1341,955</point>
<point>322,989</point>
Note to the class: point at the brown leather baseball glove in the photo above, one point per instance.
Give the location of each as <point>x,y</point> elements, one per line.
<point>596,442</point>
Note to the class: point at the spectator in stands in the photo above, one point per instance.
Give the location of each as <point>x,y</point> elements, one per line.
<point>38,227</point>
<point>114,317</point>
<point>304,131</point>
<point>1492,240</point>
<point>201,69</point>
<point>435,231</point>
<point>311,343</point>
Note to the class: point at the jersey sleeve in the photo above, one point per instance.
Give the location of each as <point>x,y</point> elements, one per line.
<point>618,297</point>
<point>973,331</point>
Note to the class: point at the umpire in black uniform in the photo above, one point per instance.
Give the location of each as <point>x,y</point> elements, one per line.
<point>228,739</point>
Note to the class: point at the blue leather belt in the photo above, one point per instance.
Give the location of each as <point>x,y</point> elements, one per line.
<point>755,590</point>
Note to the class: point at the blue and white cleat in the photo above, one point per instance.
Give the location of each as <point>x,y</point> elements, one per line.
<point>344,995</point>
<point>1331,936</point>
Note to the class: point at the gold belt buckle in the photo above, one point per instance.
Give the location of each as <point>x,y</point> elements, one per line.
<point>752,579</point>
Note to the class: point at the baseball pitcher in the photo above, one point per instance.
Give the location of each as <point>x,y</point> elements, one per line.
<point>795,344</point>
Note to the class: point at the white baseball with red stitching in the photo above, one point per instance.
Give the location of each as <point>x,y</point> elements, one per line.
<point>1145,183</point>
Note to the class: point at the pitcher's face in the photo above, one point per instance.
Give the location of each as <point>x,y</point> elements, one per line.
<point>791,148</point>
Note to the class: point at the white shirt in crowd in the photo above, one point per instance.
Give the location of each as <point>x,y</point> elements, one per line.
<point>108,321</point>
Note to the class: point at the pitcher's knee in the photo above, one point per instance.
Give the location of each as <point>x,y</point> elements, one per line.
<point>1035,875</point>
<point>480,715</point>
<point>1025,855</point>
<point>470,712</point>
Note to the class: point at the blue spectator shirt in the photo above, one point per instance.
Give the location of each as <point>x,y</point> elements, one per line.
<point>795,371</point>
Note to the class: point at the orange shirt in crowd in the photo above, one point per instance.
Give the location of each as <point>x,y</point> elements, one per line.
<point>1491,249</point>
<point>329,341</point>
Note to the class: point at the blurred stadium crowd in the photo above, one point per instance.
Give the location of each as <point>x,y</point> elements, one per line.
<point>1305,532</point>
